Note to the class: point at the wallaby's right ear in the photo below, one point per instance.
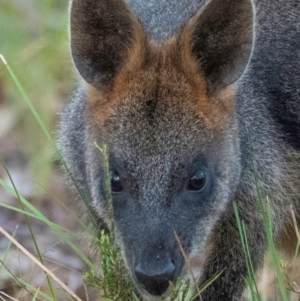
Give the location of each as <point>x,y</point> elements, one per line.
<point>102,33</point>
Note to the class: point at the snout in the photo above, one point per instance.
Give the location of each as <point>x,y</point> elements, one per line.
<point>156,280</point>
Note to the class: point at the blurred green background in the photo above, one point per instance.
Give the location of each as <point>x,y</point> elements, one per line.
<point>34,41</point>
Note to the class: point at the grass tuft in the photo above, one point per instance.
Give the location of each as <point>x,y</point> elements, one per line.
<point>114,281</point>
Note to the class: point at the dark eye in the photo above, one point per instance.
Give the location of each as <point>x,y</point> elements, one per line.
<point>197,181</point>
<point>115,182</point>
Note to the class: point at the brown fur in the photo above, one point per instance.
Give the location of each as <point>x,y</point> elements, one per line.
<point>177,72</point>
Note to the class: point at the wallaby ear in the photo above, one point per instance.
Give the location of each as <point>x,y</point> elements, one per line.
<point>102,33</point>
<point>221,38</point>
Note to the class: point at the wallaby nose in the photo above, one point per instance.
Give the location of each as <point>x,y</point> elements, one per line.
<point>156,283</point>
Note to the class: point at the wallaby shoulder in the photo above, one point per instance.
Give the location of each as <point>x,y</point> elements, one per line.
<point>269,89</point>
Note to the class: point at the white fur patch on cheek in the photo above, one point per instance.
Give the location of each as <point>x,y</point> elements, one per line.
<point>196,268</point>
<point>196,258</point>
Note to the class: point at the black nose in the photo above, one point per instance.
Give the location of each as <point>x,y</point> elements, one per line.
<point>156,282</point>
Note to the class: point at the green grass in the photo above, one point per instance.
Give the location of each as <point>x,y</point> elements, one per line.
<point>276,262</point>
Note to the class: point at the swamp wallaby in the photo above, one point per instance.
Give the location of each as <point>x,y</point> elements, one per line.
<point>198,103</point>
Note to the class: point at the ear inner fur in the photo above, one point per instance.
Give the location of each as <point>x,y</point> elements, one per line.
<point>102,35</point>
<point>222,56</point>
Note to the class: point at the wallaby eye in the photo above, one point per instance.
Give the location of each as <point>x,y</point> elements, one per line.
<point>197,181</point>
<point>115,182</point>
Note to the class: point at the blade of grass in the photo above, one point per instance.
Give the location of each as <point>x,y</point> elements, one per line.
<point>36,294</point>
<point>104,152</point>
<point>71,212</point>
<point>33,290</point>
<point>296,231</point>
<point>26,98</point>
<point>7,296</point>
<point>210,282</point>
<point>6,252</point>
<point>251,272</point>
<point>12,276</point>
<point>37,262</point>
<point>188,264</point>
<point>266,212</point>
<point>275,256</point>
<point>246,251</point>
<point>29,227</point>
<point>59,231</point>
<point>46,132</point>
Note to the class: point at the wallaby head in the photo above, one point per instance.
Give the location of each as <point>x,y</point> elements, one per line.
<point>167,115</point>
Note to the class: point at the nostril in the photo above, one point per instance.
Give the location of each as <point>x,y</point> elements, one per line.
<point>156,283</point>
<point>170,269</point>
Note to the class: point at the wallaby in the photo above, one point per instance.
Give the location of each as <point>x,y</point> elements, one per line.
<point>198,103</point>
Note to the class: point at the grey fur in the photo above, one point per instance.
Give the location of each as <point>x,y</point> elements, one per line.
<point>154,135</point>
<point>162,19</point>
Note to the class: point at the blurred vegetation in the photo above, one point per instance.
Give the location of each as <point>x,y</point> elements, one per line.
<point>34,41</point>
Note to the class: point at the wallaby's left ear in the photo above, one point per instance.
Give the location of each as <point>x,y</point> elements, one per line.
<point>102,34</point>
<point>221,39</point>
